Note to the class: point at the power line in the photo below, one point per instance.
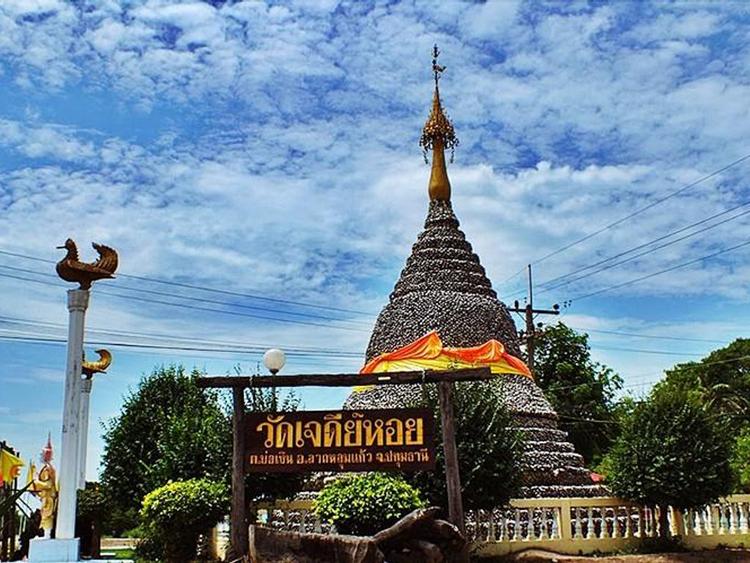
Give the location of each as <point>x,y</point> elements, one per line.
<point>192,307</point>
<point>651,336</point>
<point>234,313</point>
<point>641,351</point>
<point>205,288</point>
<point>560,281</point>
<point>147,335</point>
<point>194,347</point>
<point>196,299</point>
<point>642,209</point>
<point>41,339</point>
<point>664,271</point>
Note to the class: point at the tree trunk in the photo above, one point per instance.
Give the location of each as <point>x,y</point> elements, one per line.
<point>663,523</point>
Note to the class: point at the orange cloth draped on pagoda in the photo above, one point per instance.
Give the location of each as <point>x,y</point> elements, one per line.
<point>428,353</point>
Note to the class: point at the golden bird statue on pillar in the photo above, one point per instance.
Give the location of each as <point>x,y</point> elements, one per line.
<point>99,366</point>
<point>72,269</point>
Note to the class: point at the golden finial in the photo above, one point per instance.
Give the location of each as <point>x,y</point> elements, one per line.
<point>438,135</point>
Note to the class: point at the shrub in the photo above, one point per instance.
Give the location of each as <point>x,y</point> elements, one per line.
<point>489,448</point>
<point>671,452</point>
<point>365,504</point>
<point>741,460</point>
<point>175,515</point>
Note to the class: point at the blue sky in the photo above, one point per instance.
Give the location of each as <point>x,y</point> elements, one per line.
<point>271,150</point>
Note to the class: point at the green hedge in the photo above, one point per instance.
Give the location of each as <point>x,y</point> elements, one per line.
<point>175,515</point>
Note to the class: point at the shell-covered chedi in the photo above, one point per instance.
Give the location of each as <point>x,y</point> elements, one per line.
<point>444,288</point>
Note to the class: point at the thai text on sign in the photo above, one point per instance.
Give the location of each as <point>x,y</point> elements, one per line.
<point>364,440</point>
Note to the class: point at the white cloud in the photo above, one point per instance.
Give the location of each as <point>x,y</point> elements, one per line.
<point>273,149</point>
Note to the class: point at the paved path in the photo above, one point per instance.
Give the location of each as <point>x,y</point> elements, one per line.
<point>713,556</point>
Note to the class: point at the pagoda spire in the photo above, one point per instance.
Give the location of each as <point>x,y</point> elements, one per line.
<point>437,136</point>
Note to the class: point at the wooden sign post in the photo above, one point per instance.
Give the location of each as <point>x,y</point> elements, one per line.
<point>238,516</point>
<point>444,379</point>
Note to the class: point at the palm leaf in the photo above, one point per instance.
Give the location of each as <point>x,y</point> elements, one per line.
<point>8,503</point>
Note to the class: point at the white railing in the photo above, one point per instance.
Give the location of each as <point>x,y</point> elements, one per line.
<point>293,516</point>
<point>564,525</point>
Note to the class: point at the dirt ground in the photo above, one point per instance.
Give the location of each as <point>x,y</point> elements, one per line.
<point>712,556</point>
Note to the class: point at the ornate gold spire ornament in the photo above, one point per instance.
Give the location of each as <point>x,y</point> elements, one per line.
<point>438,135</point>
<point>99,366</point>
<point>72,269</point>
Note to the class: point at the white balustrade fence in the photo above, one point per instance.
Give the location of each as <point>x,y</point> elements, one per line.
<point>565,525</point>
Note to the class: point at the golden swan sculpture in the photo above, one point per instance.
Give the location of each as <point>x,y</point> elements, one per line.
<point>72,269</point>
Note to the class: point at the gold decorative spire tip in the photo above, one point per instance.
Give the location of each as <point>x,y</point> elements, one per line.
<point>438,134</point>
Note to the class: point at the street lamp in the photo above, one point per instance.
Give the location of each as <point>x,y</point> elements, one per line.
<point>274,359</point>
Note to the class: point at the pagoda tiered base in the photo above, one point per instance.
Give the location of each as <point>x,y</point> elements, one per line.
<point>550,465</point>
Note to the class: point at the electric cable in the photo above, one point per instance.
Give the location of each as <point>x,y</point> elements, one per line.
<point>642,209</point>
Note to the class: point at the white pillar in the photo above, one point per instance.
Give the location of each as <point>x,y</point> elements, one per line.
<point>78,301</point>
<point>83,434</point>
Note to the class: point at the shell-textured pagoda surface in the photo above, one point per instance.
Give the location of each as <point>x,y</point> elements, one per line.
<point>444,287</point>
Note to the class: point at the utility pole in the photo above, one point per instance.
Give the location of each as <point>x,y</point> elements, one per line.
<point>529,316</point>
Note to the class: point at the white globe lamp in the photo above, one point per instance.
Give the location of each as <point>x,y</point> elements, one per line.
<point>274,359</point>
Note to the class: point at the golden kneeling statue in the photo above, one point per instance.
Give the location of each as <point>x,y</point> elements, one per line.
<point>44,486</point>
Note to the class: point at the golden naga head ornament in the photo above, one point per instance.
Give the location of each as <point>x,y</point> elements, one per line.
<point>71,269</point>
<point>438,135</point>
<point>99,366</point>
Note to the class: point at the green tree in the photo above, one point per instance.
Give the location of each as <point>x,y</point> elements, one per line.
<point>581,391</point>
<point>489,448</point>
<point>167,429</point>
<point>741,460</point>
<point>671,452</point>
<point>720,382</point>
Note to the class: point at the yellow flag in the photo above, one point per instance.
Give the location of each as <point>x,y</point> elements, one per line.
<point>30,478</point>
<point>10,466</point>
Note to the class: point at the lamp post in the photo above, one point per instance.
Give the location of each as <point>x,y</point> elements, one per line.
<point>274,359</point>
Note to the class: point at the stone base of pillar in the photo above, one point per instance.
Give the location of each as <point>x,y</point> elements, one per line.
<point>57,551</point>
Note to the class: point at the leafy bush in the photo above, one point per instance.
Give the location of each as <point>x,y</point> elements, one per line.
<point>365,504</point>
<point>741,460</point>
<point>92,502</point>
<point>175,515</point>
<point>489,448</point>
<point>671,452</point>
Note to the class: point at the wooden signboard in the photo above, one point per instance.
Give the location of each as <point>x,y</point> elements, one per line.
<point>350,440</point>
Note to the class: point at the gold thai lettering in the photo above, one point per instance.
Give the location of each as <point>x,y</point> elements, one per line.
<point>332,430</point>
<point>373,432</point>
<point>353,431</point>
<point>414,431</point>
<point>269,427</point>
<point>313,431</point>
<point>271,459</point>
<point>284,435</point>
<point>394,432</point>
